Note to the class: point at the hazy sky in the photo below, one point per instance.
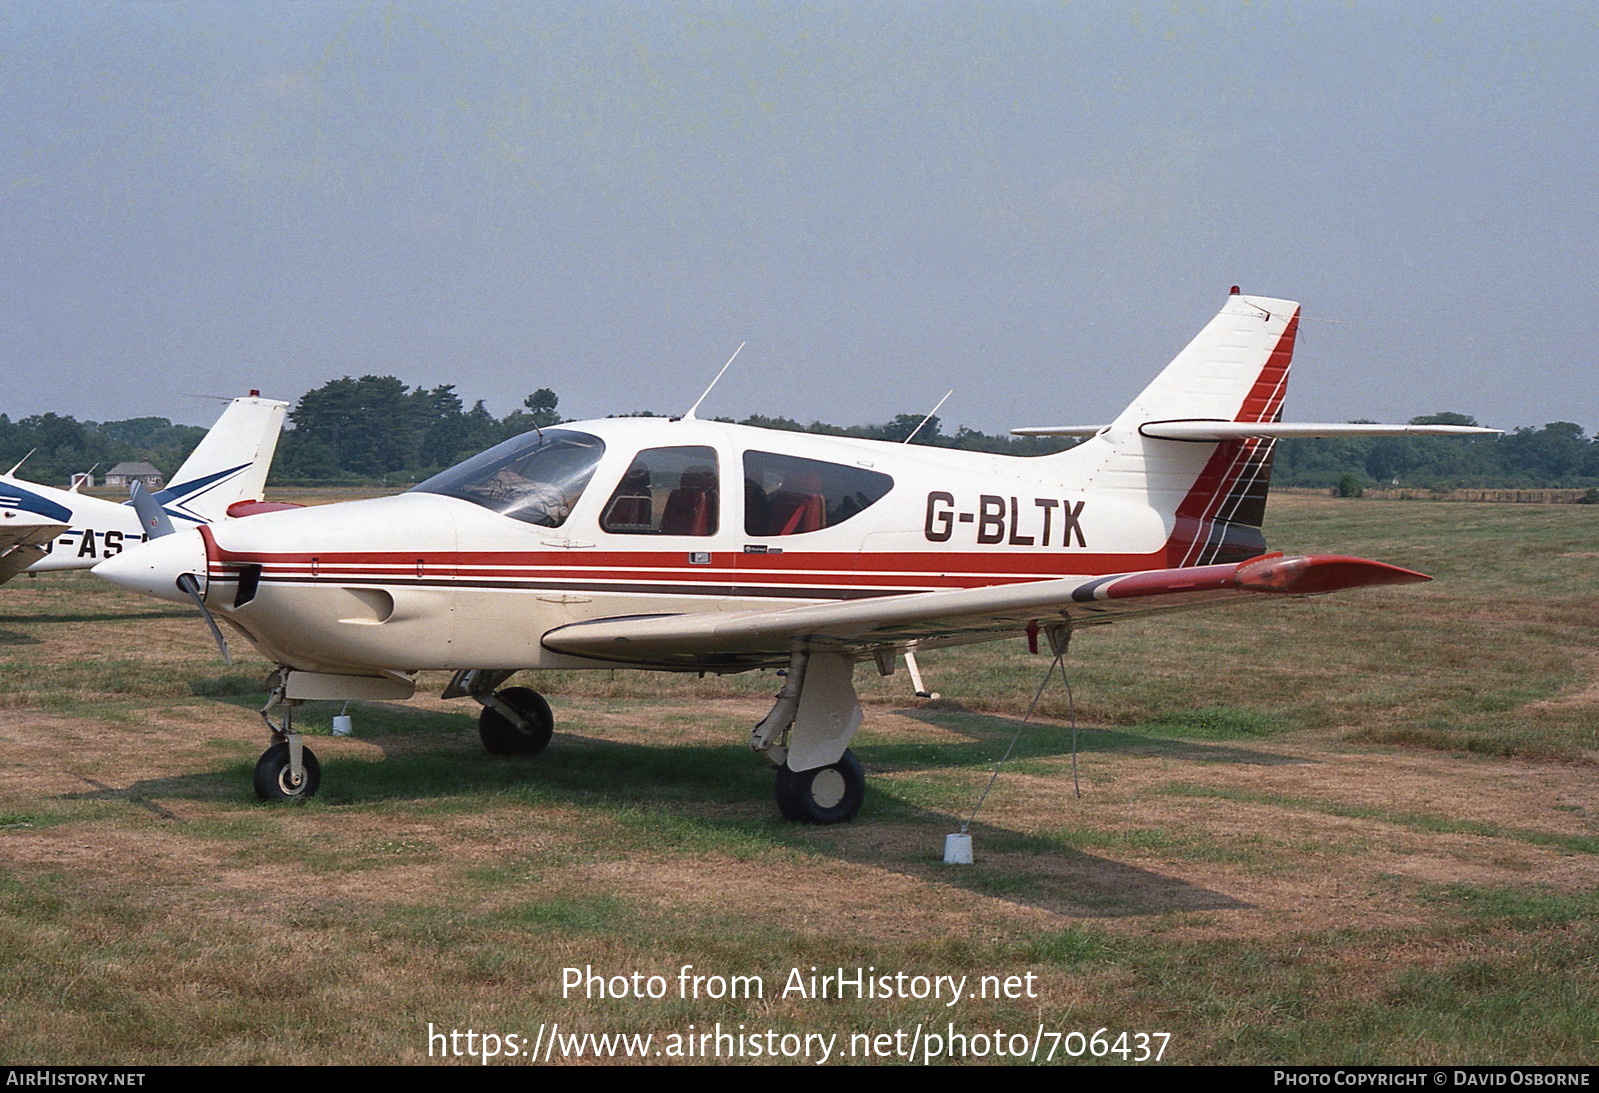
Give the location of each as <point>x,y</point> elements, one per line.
<point>1036,204</point>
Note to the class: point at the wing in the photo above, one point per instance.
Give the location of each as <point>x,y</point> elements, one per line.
<point>733,641</point>
<point>22,538</point>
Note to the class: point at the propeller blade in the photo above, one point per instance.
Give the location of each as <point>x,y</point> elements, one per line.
<point>191,584</point>
<point>152,517</point>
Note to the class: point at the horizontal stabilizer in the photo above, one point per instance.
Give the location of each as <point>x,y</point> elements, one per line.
<point>1284,430</point>
<point>14,560</point>
<point>1194,429</point>
<point>1058,430</point>
<point>23,536</point>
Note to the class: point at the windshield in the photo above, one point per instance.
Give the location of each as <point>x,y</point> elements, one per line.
<point>536,477</point>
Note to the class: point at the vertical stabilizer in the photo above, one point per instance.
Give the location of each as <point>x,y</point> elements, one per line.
<point>1211,494</point>
<point>230,464</point>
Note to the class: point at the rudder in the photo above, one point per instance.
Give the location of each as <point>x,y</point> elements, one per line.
<point>230,463</point>
<point>1212,494</point>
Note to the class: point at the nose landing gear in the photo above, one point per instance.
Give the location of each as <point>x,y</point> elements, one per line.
<point>287,770</point>
<point>275,777</point>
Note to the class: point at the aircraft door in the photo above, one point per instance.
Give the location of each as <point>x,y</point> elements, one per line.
<point>666,493</point>
<point>790,503</point>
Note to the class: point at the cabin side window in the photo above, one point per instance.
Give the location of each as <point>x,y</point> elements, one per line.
<point>787,495</point>
<point>536,477</point>
<point>665,491</point>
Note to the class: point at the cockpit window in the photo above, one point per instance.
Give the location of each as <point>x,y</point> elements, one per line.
<point>786,495</point>
<point>536,477</point>
<point>666,491</point>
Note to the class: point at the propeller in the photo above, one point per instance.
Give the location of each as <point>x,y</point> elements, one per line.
<point>153,518</point>
<point>191,584</point>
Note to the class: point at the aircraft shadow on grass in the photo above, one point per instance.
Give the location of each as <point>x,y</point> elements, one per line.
<point>715,793</point>
<point>1039,739</point>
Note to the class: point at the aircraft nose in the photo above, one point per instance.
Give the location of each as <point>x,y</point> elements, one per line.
<point>153,568</point>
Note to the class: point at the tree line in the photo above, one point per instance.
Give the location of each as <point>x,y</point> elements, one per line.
<point>376,429</point>
<point>53,448</point>
<point>1557,454</point>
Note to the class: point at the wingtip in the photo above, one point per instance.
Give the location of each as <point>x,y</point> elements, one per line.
<point>1312,574</point>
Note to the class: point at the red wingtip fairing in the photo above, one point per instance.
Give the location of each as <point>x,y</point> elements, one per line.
<point>1308,575</point>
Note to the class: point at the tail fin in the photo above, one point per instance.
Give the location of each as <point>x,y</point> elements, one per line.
<point>1212,495</point>
<point>230,464</point>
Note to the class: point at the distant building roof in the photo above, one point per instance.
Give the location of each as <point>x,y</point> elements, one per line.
<point>133,470</point>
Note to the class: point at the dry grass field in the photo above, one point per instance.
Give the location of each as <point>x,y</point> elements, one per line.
<point>1362,829</point>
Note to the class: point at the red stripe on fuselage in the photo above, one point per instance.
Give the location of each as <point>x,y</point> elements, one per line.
<point>889,571</point>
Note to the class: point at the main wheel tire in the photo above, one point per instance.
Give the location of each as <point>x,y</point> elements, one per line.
<point>502,736</point>
<point>273,781</point>
<point>825,795</point>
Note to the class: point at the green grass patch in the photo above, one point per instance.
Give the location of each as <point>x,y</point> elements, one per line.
<point>1170,843</point>
<point>1529,906</point>
<point>584,915</point>
<point>1217,723</point>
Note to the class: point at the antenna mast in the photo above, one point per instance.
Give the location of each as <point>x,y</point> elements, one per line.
<point>929,416</point>
<point>13,471</point>
<point>690,415</point>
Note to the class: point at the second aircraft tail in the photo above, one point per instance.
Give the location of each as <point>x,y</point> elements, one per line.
<point>230,464</point>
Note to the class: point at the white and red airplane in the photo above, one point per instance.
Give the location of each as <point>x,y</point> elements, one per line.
<point>689,545</point>
<point>43,529</point>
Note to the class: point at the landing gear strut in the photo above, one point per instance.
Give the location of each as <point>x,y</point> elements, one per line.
<point>806,736</point>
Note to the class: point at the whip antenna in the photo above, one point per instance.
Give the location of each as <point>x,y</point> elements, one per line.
<point>690,415</point>
<point>929,416</point>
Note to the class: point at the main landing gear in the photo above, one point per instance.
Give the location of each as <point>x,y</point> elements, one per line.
<point>822,795</point>
<point>807,735</point>
<point>514,720</point>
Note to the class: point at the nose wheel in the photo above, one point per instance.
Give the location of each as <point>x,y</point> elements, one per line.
<point>277,780</point>
<point>287,770</point>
